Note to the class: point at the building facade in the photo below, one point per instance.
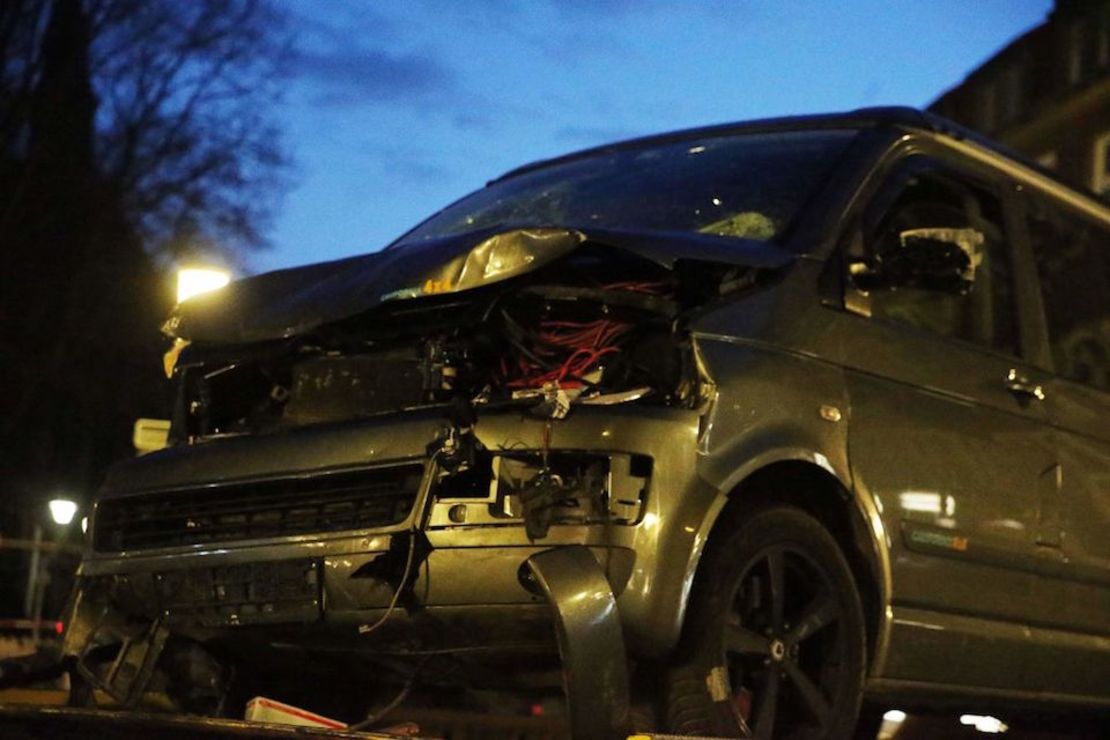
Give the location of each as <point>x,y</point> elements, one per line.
<point>1047,94</point>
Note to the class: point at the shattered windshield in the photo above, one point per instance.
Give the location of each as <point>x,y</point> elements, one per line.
<point>747,186</point>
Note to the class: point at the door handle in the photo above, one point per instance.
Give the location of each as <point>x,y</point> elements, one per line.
<point>1020,385</point>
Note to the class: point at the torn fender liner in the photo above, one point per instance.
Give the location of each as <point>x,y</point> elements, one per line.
<point>286,303</point>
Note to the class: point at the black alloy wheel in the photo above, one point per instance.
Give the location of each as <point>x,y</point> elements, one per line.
<point>775,642</point>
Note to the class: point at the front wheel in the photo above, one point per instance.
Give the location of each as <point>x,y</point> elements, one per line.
<point>774,643</point>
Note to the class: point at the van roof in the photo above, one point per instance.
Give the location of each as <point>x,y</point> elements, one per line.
<point>861,118</point>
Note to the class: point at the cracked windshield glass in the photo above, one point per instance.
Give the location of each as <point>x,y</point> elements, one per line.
<point>747,187</point>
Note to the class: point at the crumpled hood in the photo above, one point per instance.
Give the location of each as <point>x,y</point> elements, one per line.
<point>286,303</point>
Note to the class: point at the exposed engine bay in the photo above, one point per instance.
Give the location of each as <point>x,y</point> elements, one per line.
<point>599,326</point>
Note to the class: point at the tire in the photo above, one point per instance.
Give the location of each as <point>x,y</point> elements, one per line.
<point>775,636</point>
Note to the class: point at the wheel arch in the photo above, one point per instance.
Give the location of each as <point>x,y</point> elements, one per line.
<point>802,481</point>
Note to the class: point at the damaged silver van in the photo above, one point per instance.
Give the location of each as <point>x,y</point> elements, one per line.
<point>738,427</point>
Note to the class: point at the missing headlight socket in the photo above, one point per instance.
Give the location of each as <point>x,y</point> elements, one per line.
<point>561,488</point>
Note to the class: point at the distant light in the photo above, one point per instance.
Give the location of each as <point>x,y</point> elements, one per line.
<point>716,201</point>
<point>62,510</point>
<point>987,724</point>
<point>59,628</point>
<point>894,716</point>
<point>193,281</point>
<point>84,525</point>
<point>928,502</point>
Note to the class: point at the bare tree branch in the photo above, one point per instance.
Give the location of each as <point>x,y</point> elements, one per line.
<point>142,130</point>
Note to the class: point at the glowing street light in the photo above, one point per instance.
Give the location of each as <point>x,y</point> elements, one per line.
<point>62,511</point>
<point>192,281</point>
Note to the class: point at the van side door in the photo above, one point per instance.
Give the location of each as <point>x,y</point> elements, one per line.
<point>1072,254</point>
<point>946,432</point>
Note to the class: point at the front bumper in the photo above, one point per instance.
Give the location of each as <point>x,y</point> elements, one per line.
<point>470,577</point>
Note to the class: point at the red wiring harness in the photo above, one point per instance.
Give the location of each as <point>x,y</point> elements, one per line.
<point>564,352</point>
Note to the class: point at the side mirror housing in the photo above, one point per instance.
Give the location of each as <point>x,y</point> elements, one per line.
<point>936,259</point>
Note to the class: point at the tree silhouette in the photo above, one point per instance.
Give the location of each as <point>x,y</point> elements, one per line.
<point>131,132</point>
<point>183,99</point>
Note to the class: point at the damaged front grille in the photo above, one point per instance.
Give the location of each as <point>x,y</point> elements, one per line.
<point>329,502</point>
<point>252,593</point>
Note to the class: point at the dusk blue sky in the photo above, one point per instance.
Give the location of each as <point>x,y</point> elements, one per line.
<point>398,108</point>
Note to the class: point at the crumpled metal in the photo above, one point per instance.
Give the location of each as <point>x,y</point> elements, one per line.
<point>286,303</point>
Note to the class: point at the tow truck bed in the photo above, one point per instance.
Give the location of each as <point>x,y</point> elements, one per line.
<point>30,722</point>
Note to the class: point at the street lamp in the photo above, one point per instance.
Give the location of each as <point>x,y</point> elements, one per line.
<point>193,281</point>
<point>62,511</point>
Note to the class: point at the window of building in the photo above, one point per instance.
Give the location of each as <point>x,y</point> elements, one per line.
<point>1103,43</point>
<point>1076,38</point>
<point>1100,165</point>
<point>1074,267</point>
<point>988,109</point>
<point>1102,33</point>
<point>1012,93</point>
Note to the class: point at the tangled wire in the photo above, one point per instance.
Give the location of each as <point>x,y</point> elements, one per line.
<point>565,352</point>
